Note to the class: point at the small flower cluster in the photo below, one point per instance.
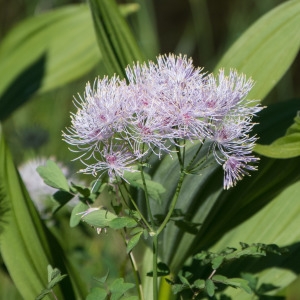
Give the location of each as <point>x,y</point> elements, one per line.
<point>119,124</point>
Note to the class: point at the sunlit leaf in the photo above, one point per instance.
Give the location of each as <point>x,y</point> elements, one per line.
<point>285,147</point>
<point>267,49</point>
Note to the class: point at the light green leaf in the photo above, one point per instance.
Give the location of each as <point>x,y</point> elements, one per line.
<point>121,222</point>
<point>267,49</point>
<point>98,218</point>
<point>53,176</point>
<point>285,147</point>
<point>77,213</point>
<point>117,44</point>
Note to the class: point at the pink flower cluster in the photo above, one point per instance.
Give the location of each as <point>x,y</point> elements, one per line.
<point>119,124</point>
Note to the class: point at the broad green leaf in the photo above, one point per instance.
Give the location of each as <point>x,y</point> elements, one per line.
<point>53,176</point>
<point>116,42</point>
<point>45,52</point>
<point>98,218</point>
<point>267,49</point>
<point>285,147</point>
<point>26,246</point>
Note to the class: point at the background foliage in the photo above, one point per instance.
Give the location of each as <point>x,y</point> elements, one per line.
<point>50,49</point>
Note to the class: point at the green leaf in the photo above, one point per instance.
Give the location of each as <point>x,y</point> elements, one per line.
<point>287,146</point>
<point>53,176</point>
<point>272,39</point>
<point>199,284</point>
<point>98,218</point>
<point>122,222</point>
<point>133,241</point>
<point>24,232</point>
<point>219,278</point>
<point>117,44</point>
<point>210,287</point>
<point>97,293</point>
<point>62,198</point>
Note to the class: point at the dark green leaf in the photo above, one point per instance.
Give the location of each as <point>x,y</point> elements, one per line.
<point>53,176</point>
<point>116,42</point>
<point>83,191</point>
<point>177,288</point>
<point>217,261</point>
<point>62,197</point>
<point>162,270</point>
<point>188,226</point>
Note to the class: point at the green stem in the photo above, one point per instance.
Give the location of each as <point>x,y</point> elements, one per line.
<point>154,266</point>
<point>147,198</point>
<point>173,203</point>
<point>137,276</point>
<point>136,207</point>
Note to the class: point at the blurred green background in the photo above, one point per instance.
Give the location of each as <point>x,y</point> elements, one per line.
<point>201,29</point>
